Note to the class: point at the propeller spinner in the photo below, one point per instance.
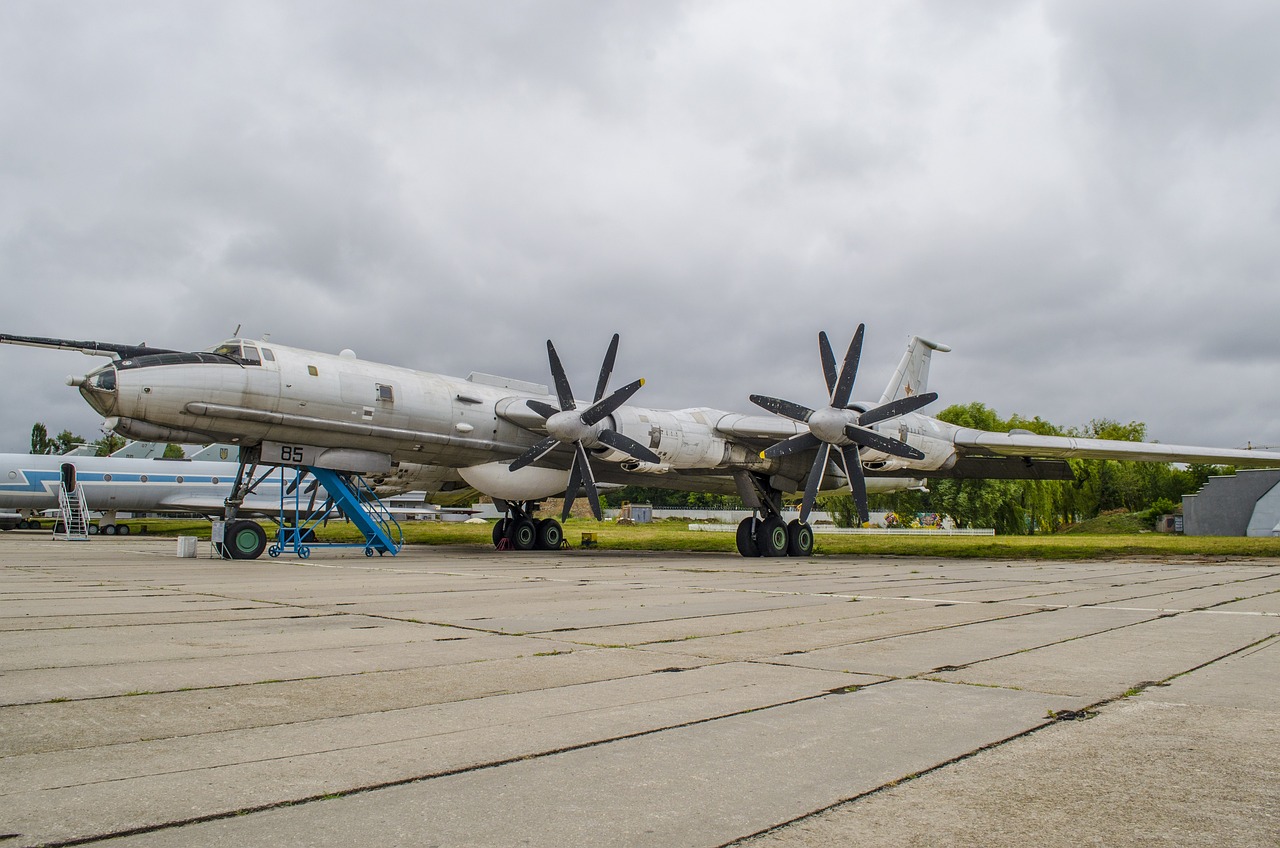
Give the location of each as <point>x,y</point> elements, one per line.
<point>570,426</point>
<point>840,427</point>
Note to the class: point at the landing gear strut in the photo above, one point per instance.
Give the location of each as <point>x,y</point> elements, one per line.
<point>767,533</point>
<point>243,539</point>
<point>520,530</point>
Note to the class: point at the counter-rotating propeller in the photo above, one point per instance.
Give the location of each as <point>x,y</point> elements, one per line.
<point>581,428</point>
<point>840,427</point>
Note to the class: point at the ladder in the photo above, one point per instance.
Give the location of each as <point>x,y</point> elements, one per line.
<point>357,501</point>
<point>74,515</point>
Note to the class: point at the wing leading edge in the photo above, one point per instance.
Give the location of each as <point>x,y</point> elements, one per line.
<point>1067,447</point>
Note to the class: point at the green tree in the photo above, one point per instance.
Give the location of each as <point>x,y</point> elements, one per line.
<point>172,451</point>
<point>40,438</point>
<point>66,441</point>
<point>109,444</point>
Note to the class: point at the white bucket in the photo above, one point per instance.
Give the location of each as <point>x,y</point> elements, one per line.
<point>186,546</point>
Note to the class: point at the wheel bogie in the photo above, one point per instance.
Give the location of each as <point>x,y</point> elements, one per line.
<point>771,537</point>
<point>550,535</point>
<point>524,535</point>
<point>799,539</point>
<point>746,537</point>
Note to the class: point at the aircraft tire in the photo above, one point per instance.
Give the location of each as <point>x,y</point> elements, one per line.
<point>747,539</point>
<point>109,530</point>
<point>122,529</point>
<point>524,535</point>
<point>59,527</point>
<point>93,530</point>
<point>799,539</point>
<point>500,531</point>
<point>550,535</point>
<point>771,537</point>
<point>246,539</point>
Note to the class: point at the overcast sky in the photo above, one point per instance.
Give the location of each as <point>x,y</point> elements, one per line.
<point>1080,197</point>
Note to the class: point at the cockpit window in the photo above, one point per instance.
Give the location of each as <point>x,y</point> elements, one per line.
<point>246,354</point>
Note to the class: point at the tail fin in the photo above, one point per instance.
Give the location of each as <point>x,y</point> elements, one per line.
<point>912,376</point>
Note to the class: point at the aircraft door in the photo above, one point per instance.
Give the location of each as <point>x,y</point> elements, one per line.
<point>68,476</point>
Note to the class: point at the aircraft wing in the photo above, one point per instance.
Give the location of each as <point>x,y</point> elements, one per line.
<point>1030,445</point>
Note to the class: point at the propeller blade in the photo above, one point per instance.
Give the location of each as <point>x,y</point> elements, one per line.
<point>785,408</point>
<point>795,444</point>
<point>897,407</point>
<point>546,410</point>
<point>589,482</point>
<point>875,441</point>
<point>571,491</point>
<point>297,481</point>
<point>628,445</point>
<point>563,392</point>
<point>535,453</point>
<point>849,370</point>
<point>828,362</point>
<point>606,369</point>
<point>815,480</point>
<point>857,480</point>
<point>600,410</point>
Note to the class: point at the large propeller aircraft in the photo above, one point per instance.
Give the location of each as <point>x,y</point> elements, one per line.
<point>519,443</point>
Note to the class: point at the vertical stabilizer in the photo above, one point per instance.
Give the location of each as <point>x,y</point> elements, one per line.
<point>912,376</point>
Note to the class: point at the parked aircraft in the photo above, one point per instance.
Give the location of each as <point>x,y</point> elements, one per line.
<point>123,482</point>
<point>519,443</point>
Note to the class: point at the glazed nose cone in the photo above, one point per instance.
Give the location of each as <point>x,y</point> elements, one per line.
<point>100,390</point>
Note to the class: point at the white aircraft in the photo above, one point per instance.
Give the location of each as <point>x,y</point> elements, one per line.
<point>29,485</point>
<point>520,444</point>
<point>136,479</point>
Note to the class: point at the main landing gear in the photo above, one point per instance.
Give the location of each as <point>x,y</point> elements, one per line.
<point>767,533</point>
<point>519,530</point>
<point>774,537</point>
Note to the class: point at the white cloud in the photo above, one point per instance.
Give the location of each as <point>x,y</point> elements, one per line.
<point>1079,198</point>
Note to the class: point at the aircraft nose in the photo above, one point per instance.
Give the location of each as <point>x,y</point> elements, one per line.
<point>99,389</point>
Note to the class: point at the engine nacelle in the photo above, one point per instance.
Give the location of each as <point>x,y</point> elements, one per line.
<point>531,483</point>
<point>684,438</point>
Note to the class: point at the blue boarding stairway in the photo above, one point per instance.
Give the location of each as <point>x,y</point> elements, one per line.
<point>356,500</point>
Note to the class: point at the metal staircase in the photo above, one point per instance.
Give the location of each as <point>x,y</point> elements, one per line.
<point>73,513</point>
<point>357,502</point>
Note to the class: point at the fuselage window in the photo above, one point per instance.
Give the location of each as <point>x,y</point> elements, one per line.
<point>143,478</point>
<point>385,393</point>
<point>313,371</point>
<point>268,355</point>
<point>251,355</point>
<point>106,478</point>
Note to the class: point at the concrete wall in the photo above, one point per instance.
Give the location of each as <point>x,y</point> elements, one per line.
<point>1226,505</point>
